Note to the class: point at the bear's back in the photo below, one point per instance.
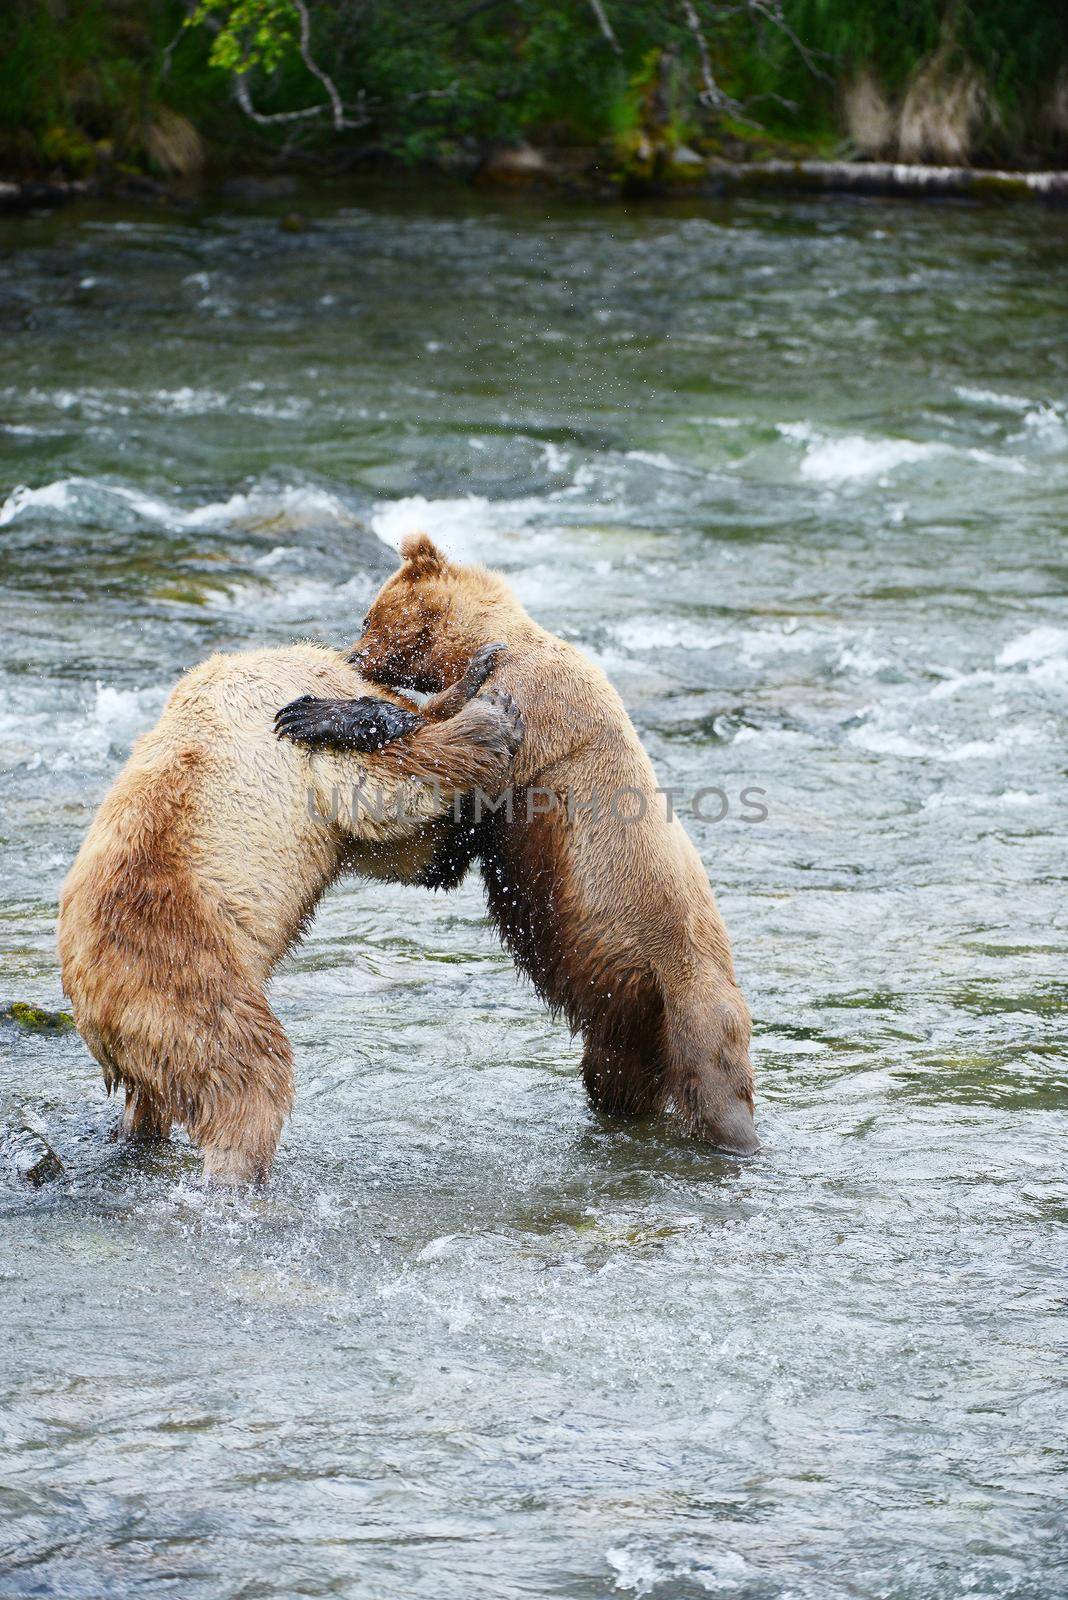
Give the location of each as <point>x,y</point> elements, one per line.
<point>212,803</point>
<point>256,841</point>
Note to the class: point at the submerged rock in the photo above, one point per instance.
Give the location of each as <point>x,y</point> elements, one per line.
<point>32,1154</point>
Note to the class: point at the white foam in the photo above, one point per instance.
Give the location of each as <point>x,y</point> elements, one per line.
<point>1010,798</point>
<point>300,504</point>
<point>554,458</point>
<point>186,401</point>
<point>1037,645</point>
<point>853,456</point>
<point>273,557</point>
<point>1045,425</point>
<point>860,659</point>
<point>889,742</point>
<point>38,738</point>
<point>463,526</point>
<point>987,458</point>
<point>663,463</point>
<point>64,495</point>
<point>881,739</point>
<point>656,633</point>
<point>781,736</point>
<point>637,1572</point>
<point>639,1569</point>
<point>298,603</point>
<point>760,644</point>
<point>991,397</point>
<point>50,497</point>
<point>959,681</point>
<point>121,714</point>
<point>144,505</point>
<point>449,521</point>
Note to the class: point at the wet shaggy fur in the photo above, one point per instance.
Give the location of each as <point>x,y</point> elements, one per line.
<point>617,925</point>
<point>205,862</point>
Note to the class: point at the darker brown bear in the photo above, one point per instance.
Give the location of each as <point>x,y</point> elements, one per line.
<point>615,921</point>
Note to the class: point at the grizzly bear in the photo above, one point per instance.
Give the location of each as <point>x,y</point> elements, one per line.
<point>208,856</point>
<point>593,884</point>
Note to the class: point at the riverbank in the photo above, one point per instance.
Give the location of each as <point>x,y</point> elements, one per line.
<point>525,168</point>
<point>599,100</point>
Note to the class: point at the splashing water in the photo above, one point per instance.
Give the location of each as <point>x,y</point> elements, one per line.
<point>794,474</point>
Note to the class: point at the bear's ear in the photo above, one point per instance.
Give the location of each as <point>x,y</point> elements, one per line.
<point>422,556</point>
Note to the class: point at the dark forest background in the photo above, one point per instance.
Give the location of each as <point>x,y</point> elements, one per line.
<point>169,88</point>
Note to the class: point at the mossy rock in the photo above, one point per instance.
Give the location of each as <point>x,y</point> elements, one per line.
<point>35,1019</point>
<point>999,186</point>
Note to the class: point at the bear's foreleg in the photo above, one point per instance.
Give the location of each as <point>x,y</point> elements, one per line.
<point>441,706</point>
<point>395,791</point>
<point>622,1064</point>
<point>239,1135</point>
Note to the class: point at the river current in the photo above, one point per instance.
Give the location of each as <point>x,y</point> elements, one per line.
<point>794,474</point>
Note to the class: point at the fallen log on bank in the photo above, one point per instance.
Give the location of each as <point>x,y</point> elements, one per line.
<point>889,178</point>
<point>692,175</point>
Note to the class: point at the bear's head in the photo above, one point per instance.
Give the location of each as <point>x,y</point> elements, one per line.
<point>427,620</point>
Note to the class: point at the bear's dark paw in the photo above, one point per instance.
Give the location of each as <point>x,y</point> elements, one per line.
<point>365,724</point>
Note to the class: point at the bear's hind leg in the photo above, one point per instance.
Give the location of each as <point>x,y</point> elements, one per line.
<point>146,1117</point>
<point>243,1094</point>
<point>709,1077</point>
<point>239,1137</point>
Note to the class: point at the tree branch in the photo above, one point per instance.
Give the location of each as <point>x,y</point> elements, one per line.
<point>317,71</point>
<point>711,95</point>
<point>165,59</point>
<point>771,11</point>
<point>597,7</point>
<point>244,100</point>
<point>336,108</point>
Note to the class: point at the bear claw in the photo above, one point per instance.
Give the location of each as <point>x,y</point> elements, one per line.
<point>364,724</point>
<point>480,666</point>
<point>510,716</point>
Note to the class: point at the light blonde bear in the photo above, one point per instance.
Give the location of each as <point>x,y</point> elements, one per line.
<point>208,857</point>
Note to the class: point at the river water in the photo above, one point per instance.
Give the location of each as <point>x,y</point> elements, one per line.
<point>795,474</point>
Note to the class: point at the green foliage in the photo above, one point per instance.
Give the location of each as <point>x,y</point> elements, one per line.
<point>74,81</point>
<point>1018,47</point>
<point>421,77</point>
<point>251,33</point>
